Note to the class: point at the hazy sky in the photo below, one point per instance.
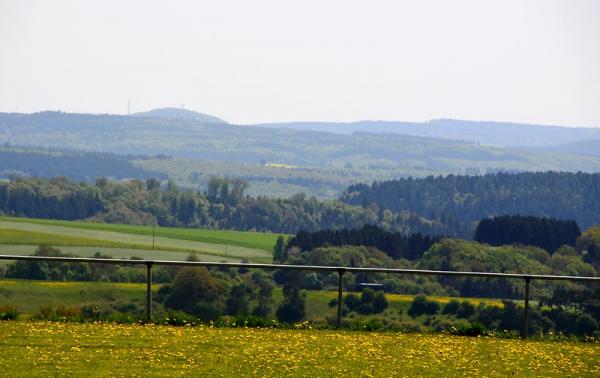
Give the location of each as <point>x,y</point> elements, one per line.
<point>261,61</point>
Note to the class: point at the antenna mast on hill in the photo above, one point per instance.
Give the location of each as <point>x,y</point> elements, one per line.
<point>128,107</point>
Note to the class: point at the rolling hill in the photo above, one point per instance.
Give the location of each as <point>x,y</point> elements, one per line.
<point>189,138</point>
<point>179,113</point>
<point>504,134</point>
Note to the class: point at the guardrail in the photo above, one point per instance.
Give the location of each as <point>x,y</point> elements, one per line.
<point>315,268</point>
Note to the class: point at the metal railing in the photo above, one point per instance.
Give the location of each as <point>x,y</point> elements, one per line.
<point>315,268</point>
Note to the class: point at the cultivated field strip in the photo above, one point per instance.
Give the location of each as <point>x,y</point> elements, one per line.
<point>145,241</point>
<point>247,239</point>
<point>118,253</point>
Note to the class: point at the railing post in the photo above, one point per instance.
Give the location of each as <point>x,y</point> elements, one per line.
<point>148,291</point>
<point>339,303</point>
<point>525,332</point>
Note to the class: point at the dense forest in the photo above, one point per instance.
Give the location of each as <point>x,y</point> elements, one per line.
<point>546,233</point>
<point>457,203</point>
<point>394,244</point>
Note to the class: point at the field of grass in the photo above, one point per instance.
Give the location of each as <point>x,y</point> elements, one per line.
<point>253,240</point>
<point>32,232</point>
<point>73,349</point>
<point>317,304</point>
<point>28,295</point>
<point>318,309</point>
<point>119,253</point>
<point>20,237</point>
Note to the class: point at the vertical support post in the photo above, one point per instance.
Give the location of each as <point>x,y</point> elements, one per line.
<point>148,291</point>
<point>339,303</point>
<point>525,332</point>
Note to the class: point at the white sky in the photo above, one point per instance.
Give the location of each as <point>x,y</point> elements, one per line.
<point>277,60</point>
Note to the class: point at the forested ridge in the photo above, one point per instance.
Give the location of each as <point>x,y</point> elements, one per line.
<point>223,205</point>
<point>457,203</point>
<point>280,162</point>
<point>189,138</point>
<point>77,165</point>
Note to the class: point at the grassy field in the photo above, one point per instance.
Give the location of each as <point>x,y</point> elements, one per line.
<point>121,253</point>
<point>73,349</point>
<point>61,233</point>
<point>21,237</point>
<point>29,295</point>
<point>253,240</point>
<point>317,305</point>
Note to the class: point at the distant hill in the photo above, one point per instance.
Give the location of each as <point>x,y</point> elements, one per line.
<point>482,132</point>
<point>179,113</point>
<point>583,147</point>
<point>193,139</point>
<point>76,165</point>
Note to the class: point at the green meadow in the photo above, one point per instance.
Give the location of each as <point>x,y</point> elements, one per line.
<point>35,349</point>
<point>210,245</point>
<point>252,240</point>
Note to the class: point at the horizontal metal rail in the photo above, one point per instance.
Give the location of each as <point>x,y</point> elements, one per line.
<point>340,270</point>
<point>321,268</point>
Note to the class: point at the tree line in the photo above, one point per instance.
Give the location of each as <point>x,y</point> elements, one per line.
<point>543,232</point>
<point>455,203</point>
<point>222,205</point>
<point>394,244</point>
